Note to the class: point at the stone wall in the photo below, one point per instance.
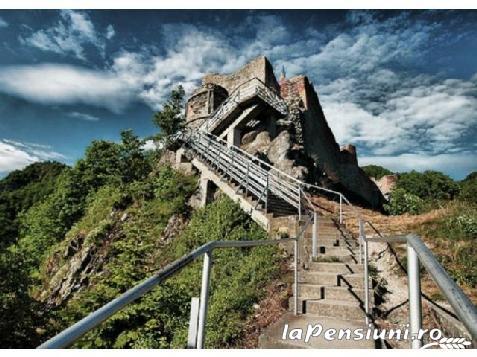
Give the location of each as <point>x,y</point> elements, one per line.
<point>339,165</point>
<point>203,101</point>
<point>259,68</point>
<point>386,184</point>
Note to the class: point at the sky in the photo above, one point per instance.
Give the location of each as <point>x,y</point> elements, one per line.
<point>400,85</point>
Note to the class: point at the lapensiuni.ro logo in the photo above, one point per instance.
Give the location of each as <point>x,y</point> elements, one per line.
<point>435,336</point>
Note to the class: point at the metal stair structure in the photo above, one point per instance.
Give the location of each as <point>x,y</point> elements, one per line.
<point>249,176</point>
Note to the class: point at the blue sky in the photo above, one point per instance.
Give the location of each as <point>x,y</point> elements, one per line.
<point>401,86</point>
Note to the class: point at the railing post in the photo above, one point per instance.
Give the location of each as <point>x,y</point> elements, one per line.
<point>366,279</point>
<point>266,196</point>
<point>414,286</point>
<point>299,203</point>
<point>232,162</point>
<point>246,178</point>
<point>314,248</point>
<point>341,209</point>
<point>360,240</point>
<point>193,323</point>
<point>204,299</point>
<point>295,248</point>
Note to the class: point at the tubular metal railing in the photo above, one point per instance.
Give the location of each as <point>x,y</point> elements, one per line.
<point>418,253</point>
<point>76,331</point>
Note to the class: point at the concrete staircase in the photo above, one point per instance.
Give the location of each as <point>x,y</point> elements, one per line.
<point>330,292</point>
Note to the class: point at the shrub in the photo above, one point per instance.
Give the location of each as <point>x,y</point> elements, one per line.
<point>468,190</point>
<point>376,171</point>
<point>428,185</point>
<point>466,223</point>
<point>401,201</point>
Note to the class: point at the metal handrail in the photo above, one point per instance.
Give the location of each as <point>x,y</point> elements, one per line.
<point>418,253</point>
<point>74,332</point>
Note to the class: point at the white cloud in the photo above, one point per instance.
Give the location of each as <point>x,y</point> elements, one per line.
<point>461,163</point>
<point>367,101</point>
<point>110,32</point>
<point>83,116</point>
<point>15,155</point>
<point>149,145</point>
<point>64,84</point>
<point>431,117</point>
<point>3,23</point>
<point>70,35</point>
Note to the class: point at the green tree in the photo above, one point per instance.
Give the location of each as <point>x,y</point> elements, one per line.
<point>468,191</point>
<point>20,190</point>
<point>428,185</point>
<point>20,315</point>
<point>376,171</point>
<point>171,118</point>
<point>134,161</point>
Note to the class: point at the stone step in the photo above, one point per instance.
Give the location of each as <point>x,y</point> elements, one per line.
<point>272,337</point>
<point>326,241</point>
<point>344,258</point>
<point>327,250</point>
<point>341,268</point>
<point>348,310</point>
<point>332,279</point>
<point>326,229</point>
<point>334,251</point>
<point>316,292</point>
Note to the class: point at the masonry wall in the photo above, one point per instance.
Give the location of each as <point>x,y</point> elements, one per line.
<point>339,165</point>
<point>259,68</point>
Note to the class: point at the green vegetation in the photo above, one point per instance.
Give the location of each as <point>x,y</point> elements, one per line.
<point>417,192</point>
<point>376,171</point>
<point>468,188</point>
<point>171,118</point>
<point>160,319</point>
<point>90,232</point>
<point>49,199</point>
<point>453,236</point>
<point>20,190</point>
<point>401,201</point>
<point>431,185</point>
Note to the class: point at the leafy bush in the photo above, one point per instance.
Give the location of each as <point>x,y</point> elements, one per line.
<point>376,171</point>
<point>466,223</point>
<point>453,238</point>
<point>428,185</point>
<point>468,190</point>
<point>21,316</point>
<point>401,201</point>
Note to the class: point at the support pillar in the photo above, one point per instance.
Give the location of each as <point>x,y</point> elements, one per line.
<point>234,136</point>
<point>205,191</point>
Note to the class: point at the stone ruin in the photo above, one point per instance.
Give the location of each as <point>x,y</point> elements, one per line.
<point>300,143</point>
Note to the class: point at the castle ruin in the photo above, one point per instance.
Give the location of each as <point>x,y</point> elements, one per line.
<point>296,140</point>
